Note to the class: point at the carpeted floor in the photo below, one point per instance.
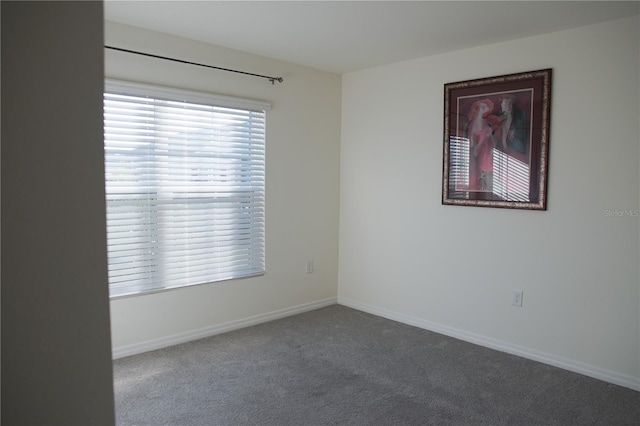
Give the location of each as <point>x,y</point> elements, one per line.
<point>340,366</point>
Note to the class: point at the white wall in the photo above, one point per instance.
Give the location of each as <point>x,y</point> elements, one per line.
<point>451,269</point>
<point>302,183</point>
<point>56,353</point>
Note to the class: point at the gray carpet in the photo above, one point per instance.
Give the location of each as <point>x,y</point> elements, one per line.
<point>340,366</point>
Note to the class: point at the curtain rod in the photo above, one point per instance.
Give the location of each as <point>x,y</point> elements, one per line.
<point>271,79</point>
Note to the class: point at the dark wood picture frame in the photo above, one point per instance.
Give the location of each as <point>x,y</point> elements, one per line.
<point>496,141</point>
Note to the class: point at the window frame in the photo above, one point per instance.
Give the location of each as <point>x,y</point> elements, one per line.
<point>163,94</point>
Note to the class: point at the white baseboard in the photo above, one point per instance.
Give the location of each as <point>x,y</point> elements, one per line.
<point>546,358</point>
<point>163,342</point>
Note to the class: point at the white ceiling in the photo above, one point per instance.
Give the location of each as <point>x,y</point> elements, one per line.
<point>344,36</point>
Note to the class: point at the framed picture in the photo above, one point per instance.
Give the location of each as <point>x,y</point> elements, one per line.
<point>496,141</point>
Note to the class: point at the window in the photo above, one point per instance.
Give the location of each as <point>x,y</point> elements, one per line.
<point>185,187</point>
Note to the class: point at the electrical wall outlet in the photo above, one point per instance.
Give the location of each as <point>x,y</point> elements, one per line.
<point>309,266</point>
<point>516,298</point>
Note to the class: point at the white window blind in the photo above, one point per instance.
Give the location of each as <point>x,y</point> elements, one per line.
<point>185,187</point>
